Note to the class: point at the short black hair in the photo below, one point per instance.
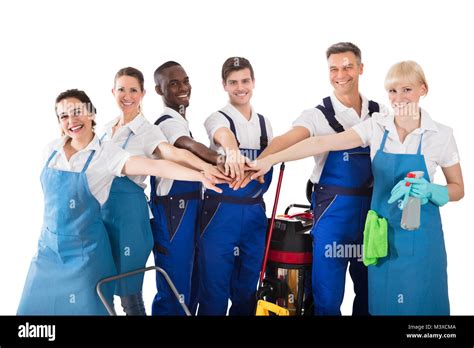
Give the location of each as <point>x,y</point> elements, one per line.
<point>342,47</point>
<point>162,68</point>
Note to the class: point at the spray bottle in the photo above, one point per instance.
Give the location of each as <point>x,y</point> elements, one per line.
<point>411,212</point>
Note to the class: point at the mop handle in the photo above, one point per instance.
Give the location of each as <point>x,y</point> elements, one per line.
<point>272,221</point>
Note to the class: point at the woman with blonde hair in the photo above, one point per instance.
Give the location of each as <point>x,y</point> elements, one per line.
<point>412,278</point>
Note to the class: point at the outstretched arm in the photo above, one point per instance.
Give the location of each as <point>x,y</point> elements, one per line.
<point>234,161</point>
<point>308,147</point>
<point>198,149</point>
<point>166,169</point>
<point>187,159</point>
<point>279,143</point>
<point>284,141</point>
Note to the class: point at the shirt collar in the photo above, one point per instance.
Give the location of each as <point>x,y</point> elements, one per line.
<point>427,123</point>
<point>237,114</point>
<point>340,108</point>
<point>134,125</point>
<point>93,145</point>
<point>173,113</point>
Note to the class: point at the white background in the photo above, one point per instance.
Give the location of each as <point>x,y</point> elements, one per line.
<point>49,46</point>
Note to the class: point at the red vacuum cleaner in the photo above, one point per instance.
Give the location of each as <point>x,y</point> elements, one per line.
<point>285,278</point>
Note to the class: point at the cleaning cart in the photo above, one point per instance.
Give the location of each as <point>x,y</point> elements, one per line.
<point>285,278</point>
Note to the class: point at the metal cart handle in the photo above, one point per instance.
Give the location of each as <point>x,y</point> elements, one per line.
<point>111,310</point>
<point>296,206</point>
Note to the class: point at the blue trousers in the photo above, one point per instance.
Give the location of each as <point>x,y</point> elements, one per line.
<point>337,233</point>
<point>176,256</point>
<point>230,256</point>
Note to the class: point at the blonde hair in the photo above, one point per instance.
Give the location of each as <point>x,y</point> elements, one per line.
<point>406,71</point>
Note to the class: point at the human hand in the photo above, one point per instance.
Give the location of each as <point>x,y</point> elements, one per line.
<point>260,167</point>
<point>236,184</point>
<point>215,175</point>
<point>235,164</point>
<point>208,184</point>
<point>398,191</point>
<point>424,190</point>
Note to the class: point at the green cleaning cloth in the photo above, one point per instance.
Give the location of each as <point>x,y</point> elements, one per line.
<point>375,238</point>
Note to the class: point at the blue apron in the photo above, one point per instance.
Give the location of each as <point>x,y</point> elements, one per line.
<point>73,250</point>
<point>174,229</point>
<point>340,203</point>
<point>412,279</point>
<point>232,243</point>
<point>126,218</point>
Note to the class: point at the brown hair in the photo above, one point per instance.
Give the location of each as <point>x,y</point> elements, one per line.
<point>129,71</point>
<point>235,64</point>
<point>79,95</point>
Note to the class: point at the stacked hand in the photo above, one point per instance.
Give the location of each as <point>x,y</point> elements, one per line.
<point>215,175</point>
<point>234,165</point>
<point>210,184</point>
<point>254,170</point>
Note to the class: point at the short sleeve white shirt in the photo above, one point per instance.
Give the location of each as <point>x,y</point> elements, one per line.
<point>248,131</point>
<point>106,164</point>
<point>143,138</point>
<point>173,128</point>
<point>315,122</point>
<point>438,145</point>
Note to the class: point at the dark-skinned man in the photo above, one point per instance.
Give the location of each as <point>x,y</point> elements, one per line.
<point>175,204</point>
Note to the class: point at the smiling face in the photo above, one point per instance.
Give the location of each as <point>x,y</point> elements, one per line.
<point>239,86</point>
<point>175,88</point>
<point>128,94</point>
<point>405,96</point>
<point>75,118</point>
<point>344,71</point>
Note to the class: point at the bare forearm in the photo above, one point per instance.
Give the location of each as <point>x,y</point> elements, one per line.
<point>455,181</point>
<point>162,168</point>
<point>225,138</point>
<point>298,151</point>
<point>316,145</point>
<point>455,192</point>
<point>180,156</point>
<point>284,141</point>
<point>190,160</point>
<point>198,149</point>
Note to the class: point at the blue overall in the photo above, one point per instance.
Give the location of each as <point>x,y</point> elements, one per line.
<point>340,203</point>
<point>232,243</point>
<point>175,231</point>
<point>73,250</point>
<point>125,215</point>
<point>412,279</point>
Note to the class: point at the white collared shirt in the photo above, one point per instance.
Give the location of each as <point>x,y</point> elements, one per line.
<point>144,139</point>
<point>173,129</point>
<point>315,122</point>
<point>438,145</point>
<point>248,131</point>
<point>107,163</point>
